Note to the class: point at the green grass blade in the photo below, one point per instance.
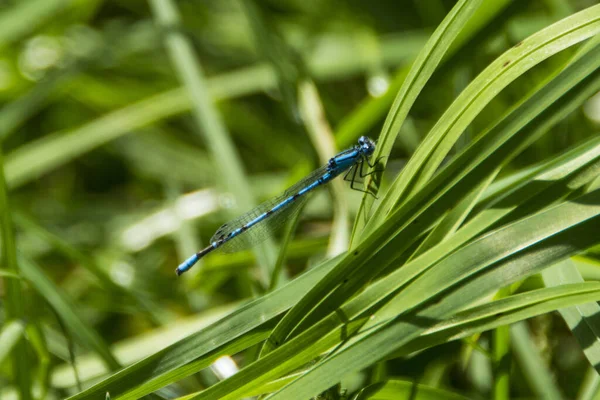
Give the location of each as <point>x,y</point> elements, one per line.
<point>501,358</point>
<point>581,319</point>
<point>458,280</point>
<point>502,312</point>
<point>38,342</point>
<point>14,306</point>
<point>532,364</point>
<point>23,19</point>
<point>10,334</point>
<point>317,127</point>
<point>397,389</point>
<point>38,157</point>
<point>67,311</point>
<point>473,99</point>
<point>14,114</point>
<point>420,72</point>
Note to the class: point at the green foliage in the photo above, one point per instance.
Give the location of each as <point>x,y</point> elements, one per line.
<point>485,221</point>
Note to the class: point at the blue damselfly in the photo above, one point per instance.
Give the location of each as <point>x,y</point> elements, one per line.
<point>259,223</point>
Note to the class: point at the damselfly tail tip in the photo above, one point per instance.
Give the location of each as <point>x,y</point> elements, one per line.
<point>187,264</point>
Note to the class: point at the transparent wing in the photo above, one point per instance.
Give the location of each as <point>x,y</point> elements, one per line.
<point>267,227</point>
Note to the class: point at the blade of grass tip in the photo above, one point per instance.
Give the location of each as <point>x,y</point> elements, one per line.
<point>581,320</point>
<point>8,274</point>
<point>208,120</point>
<point>311,111</point>
<point>420,72</point>
<point>534,368</point>
<point>13,300</point>
<point>25,17</point>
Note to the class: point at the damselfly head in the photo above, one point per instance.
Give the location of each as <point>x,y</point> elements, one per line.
<point>366,145</point>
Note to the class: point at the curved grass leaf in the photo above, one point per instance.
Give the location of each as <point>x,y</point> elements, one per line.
<point>294,354</point>
<point>496,260</point>
<point>510,236</point>
<point>420,72</point>
<point>504,70</point>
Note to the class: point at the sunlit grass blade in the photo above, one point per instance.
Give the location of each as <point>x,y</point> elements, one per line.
<point>313,115</point>
<point>420,72</point>
<point>294,354</point>
<point>458,280</point>
<point>473,99</point>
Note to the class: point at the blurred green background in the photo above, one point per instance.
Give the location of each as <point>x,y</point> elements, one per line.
<point>113,179</point>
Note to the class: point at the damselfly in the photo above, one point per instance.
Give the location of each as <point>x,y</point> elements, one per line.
<point>258,224</point>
